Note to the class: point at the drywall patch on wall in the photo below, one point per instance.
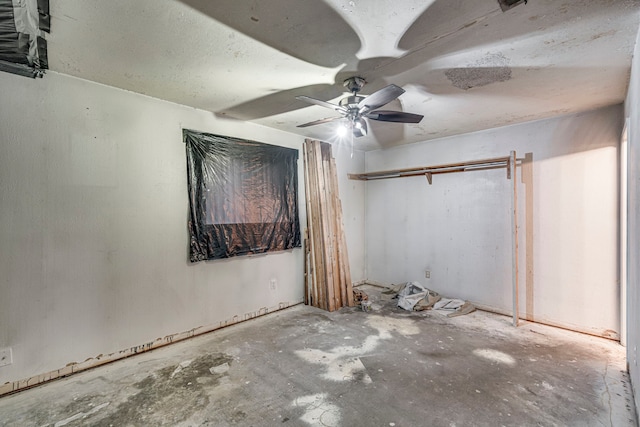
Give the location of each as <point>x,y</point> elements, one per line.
<point>492,68</point>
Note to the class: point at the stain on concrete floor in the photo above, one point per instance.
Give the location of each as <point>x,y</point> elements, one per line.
<point>171,395</point>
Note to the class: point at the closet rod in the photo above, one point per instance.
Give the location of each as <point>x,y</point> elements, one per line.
<point>468,166</point>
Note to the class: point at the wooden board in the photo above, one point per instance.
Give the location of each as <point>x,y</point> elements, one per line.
<point>327,274</point>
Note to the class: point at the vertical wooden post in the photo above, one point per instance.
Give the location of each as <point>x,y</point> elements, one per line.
<point>514,236</point>
<point>324,225</point>
<point>307,273</point>
<point>313,200</point>
<point>310,296</point>
<point>330,238</point>
<point>342,241</point>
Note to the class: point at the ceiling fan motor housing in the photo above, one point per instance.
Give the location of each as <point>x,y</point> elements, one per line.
<point>351,101</point>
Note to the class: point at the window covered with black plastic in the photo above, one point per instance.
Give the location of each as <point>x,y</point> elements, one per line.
<point>242,196</point>
<point>23,49</point>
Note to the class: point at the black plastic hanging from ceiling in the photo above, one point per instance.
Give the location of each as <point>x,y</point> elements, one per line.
<point>23,49</point>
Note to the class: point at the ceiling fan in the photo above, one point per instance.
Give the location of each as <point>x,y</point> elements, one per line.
<point>355,108</point>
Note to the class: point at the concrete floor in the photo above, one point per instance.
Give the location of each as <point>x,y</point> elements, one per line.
<point>388,367</point>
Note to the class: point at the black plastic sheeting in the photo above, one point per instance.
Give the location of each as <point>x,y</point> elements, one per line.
<point>44,19</point>
<point>22,46</point>
<point>243,196</point>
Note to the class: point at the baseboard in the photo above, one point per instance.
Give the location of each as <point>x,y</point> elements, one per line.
<point>93,362</point>
<point>602,333</point>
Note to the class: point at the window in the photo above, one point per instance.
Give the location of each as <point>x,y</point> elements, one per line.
<point>23,49</point>
<point>242,196</point>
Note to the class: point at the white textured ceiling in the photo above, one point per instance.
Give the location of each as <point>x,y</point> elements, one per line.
<point>465,65</point>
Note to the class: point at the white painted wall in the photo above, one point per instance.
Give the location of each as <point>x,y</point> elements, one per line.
<point>632,112</point>
<point>460,227</point>
<point>93,225</point>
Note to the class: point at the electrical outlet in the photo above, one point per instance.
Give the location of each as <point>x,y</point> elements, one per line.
<point>273,284</point>
<point>427,274</point>
<point>6,357</point>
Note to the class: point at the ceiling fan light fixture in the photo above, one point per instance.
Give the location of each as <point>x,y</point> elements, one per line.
<point>359,127</point>
<point>342,130</point>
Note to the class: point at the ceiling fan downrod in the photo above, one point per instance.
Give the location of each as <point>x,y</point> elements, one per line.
<point>354,84</point>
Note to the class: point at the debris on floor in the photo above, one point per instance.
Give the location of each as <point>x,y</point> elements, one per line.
<point>359,296</point>
<point>412,296</point>
<point>453,307</point>
<point>365,305</point>
<point>362,299</point>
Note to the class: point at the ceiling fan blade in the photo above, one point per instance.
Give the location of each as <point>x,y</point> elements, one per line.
<point>300,32</point>
<point>322,103</point>
<point>279,102</point>
<point>394,116</point>
<point>319,122</point>
<point>380,98</point>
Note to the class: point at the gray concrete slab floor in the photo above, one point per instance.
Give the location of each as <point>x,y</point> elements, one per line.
<point>388,367</point>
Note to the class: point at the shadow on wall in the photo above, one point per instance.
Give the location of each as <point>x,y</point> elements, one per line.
<point>581,135</point>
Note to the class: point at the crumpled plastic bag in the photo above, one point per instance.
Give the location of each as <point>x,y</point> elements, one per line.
<point>428,301</point>
<point>411,294</point>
